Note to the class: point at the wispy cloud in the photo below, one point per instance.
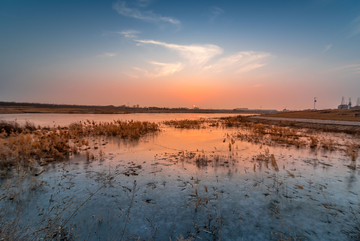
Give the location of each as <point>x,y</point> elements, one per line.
<point>327,47</point>
<point>162,69</point>
<point>107,55</point>
<point>132,75</point>
<point>355,27</point>
<point>195,54</point>
<point>215,11</point>
<point>240,62</point>
<point>165,69</point>
<point>141,70</point>
<point>352,68</point>
<point>143,3</point>
<point>129,33</point>
<point>149,16</point>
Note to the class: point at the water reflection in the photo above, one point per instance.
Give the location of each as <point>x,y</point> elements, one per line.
<point>195,184</point>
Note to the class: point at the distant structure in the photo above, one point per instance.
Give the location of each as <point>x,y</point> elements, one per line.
<point>255,110</point>
<point>349,105</point>
<point>343,105</point>
<point>357,106</point>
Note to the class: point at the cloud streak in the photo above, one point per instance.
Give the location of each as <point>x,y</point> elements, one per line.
<point>149,16</point>
<point>165,69</point>
<point>241,62</point>
<point>162,69</point>
<point>129,33</point>
<point>215,11</point>
<point>143,3</point>
<point>195,54</point>
<point>355,27</point>
<point>327,47</point>
<point>107,55</point>
<point>352,68</point>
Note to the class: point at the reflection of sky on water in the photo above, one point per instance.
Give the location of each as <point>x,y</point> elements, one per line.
<point>66,119</point>
<point>251,198</point>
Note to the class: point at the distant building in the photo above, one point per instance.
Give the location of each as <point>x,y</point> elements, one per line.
<point>196,108</point>
<point>342,107</point>
<point>241,109</point>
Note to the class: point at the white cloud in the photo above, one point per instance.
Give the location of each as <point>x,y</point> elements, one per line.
<point>240,62</point>
<point>129,33</point>
<point>132,76</point>
<point>355,26</point>
<point>107,55</point>
<point>327,47</point>
<point>348,68</point>
<point>121,8</point>
<point>195,54</point>
<point>143,3</point>
<point>141,70</point>
<point>215,11</point>
<point>165,69</point>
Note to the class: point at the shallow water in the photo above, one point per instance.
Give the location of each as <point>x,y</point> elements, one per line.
<point>66,119</point>
<point>191,184</point>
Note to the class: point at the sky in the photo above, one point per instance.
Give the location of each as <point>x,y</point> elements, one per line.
<point>211,54</point>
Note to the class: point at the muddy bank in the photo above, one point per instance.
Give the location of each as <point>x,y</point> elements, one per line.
<point>349,127</point>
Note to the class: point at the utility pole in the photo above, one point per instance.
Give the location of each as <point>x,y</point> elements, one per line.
<point>314,102</point>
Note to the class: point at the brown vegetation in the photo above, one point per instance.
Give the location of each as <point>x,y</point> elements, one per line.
<point>186,124</point>
<point>24,146</point>
<point>341,115</point>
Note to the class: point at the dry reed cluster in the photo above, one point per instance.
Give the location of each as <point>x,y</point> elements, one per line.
<point>26,145</point>
<point>186,124</point>
<point>268,135</point>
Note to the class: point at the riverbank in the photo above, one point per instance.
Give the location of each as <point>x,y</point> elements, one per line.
<point>340,115</point>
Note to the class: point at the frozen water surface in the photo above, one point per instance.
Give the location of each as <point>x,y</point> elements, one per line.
<point>189,183</point>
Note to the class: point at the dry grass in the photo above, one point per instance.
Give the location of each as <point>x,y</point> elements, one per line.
<point>13,126</point>
<point>186,124</point>
<point>25,146</point>
<point>342,115</point>
<point>267,134</point>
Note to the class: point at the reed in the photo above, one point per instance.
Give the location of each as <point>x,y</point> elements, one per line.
<point>274,163</point>
<point>186,124</point>
<point>24,146</point>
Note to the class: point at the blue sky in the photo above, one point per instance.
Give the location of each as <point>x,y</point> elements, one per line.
<point>213,54</point>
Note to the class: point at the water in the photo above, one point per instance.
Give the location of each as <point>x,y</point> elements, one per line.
<point>66,119</point>
<point>190,184</point>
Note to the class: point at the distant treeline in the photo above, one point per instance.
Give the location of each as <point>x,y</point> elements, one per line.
<point>41,105</point>
<point>123,108</point>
